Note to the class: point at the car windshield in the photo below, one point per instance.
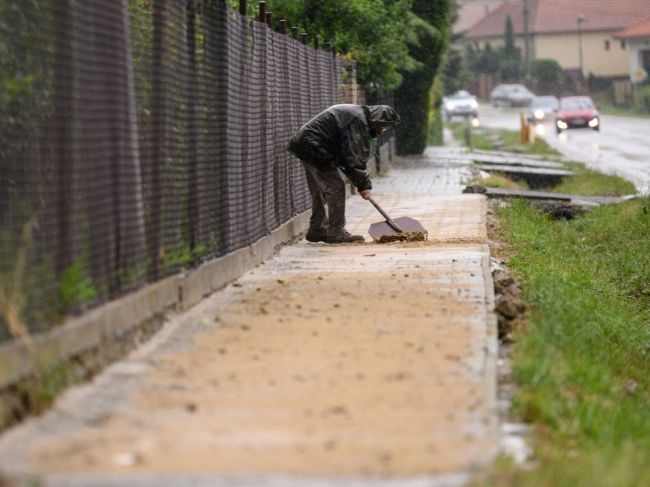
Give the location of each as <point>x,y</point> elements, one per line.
<point>461,94</point>
<point>577,104</point>
<point>516,88</point>
<point>545,102</point>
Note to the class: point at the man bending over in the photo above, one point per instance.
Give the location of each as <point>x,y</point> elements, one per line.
<point>338,139</point>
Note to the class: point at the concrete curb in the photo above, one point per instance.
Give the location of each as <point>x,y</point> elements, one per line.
<point>101,325</point>
<point>491,354</point>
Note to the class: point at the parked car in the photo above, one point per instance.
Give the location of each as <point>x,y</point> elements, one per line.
<point>542,108</point>
<point>576,112</point>
<point>511,95</point>
<point>460,104</point>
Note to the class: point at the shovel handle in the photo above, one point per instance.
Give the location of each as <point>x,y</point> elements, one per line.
<point>390,222</point>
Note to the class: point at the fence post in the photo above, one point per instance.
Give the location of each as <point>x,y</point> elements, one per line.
<point>193,184</point>
<point>294,32</point>
<point>262,10</point>
<point>305,38</point>
<point>158,120</point>
<point>63,134</point>
<point>316,42</point>
<point>243,7</point>
<point>283,26</point>
<point>269,19</point>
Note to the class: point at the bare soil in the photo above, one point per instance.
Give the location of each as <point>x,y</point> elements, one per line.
<point>314,373</point>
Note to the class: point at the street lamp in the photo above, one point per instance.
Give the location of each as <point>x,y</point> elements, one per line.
<point>580,19</point>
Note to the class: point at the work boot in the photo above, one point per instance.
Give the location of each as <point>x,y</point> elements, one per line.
<point>345,237</point>
<point>316,237</point>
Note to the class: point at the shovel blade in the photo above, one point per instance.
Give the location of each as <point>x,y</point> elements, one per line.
<point>381,229</point>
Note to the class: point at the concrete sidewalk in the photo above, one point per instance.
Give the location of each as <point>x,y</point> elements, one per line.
<point>349,365</point>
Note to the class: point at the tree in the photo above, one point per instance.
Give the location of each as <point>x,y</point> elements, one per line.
<point>431,27</point>
<point>548,76</point>
<point>510,65</point>
<point>484,61</point>
<point>509,49</point>
<point>455,76</point>
<point>372,32</point>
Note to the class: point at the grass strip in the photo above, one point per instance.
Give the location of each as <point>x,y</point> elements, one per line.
<point>510,139</point>
<point>496,180</point>
<point>586,182</point>
<point>479,138</point>
<point>583,361</point>
<point>485,138</point>
<point>589,182</point>
<point>610,109</point>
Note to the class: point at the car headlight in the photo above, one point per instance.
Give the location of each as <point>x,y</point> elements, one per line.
<point>594,122</point>
<point>450,106</point>
<point>473,104</point>
<point>562,124</point>
<point>539,114</point>
<point>475,123</point>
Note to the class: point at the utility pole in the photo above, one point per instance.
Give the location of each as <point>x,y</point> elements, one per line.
<point>526,42</point>
<point>580,19</point>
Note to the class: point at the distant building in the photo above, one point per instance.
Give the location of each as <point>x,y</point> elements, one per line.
<point>637,38</point>
<point>470,12</point>
<point>581,35</point>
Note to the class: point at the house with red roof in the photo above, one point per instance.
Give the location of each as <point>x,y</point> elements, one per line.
<point>470,12</point>
<point>581,35</point>
<point>637,38</point>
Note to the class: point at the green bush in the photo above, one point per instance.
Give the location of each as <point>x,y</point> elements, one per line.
<point>548,75</point>
<point>646,98</point>
<point>599,83</point>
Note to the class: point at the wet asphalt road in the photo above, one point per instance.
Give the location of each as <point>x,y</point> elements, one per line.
<point>622,146</point>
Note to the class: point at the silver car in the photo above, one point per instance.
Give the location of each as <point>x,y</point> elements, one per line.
<point>542,108</point>
<point>460,104</point>
<point>511,95</point>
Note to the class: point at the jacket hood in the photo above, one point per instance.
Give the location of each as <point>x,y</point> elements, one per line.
<point>381,116</point>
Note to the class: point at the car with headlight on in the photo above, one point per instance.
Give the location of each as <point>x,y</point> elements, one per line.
<point>576,112</point>
<point>460,104</point>
<point>542,108</point>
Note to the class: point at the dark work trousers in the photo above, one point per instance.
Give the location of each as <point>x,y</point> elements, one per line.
<point>327,187</point>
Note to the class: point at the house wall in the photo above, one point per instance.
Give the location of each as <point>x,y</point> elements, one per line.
<point>596,59</point>
<point>497,43</point>
<point>564,48</point>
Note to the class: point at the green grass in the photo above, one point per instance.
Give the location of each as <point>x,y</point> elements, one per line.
<point>482,138</point>
<point>583,361</point>
<point>495,180</point>
<point>609,109</point>
<point>510,140</point>
<point>478,137</point>
<point>498,181</point>
<point>588,182</point>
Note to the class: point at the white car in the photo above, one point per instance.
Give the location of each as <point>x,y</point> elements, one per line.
<point>460,104</point>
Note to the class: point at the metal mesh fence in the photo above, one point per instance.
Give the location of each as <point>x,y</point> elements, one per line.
<point>140,137</point>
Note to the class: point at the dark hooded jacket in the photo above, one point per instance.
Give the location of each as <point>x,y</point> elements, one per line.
<point>340,137</point>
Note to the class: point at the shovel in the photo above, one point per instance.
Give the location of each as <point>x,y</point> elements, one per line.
<point>399,229</point>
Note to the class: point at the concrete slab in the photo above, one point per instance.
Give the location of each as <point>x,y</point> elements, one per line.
<point>545,195</point>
